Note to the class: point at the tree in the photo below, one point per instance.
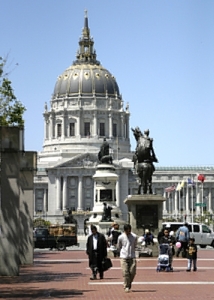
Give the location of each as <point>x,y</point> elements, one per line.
<point>11,109</point>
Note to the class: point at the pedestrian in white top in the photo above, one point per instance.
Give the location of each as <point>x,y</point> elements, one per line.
<point>127,243</point>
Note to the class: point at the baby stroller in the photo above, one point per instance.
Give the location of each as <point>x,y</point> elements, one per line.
<point>165,258</point>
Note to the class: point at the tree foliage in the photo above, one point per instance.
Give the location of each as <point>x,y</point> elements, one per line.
<point>11,109</point>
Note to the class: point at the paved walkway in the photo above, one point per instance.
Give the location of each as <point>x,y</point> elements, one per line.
<point>65,275</point>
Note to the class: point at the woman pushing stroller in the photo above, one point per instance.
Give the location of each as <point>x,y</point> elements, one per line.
<point>167,242</point>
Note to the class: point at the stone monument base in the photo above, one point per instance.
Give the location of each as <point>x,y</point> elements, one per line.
<point>145,212</point>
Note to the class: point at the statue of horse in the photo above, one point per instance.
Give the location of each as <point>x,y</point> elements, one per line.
<point>143,160</point>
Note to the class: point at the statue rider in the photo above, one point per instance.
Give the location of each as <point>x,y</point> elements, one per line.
<point>153,157</point>
<point>143,159</point>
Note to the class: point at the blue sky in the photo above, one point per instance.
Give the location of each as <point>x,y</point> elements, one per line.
<point>161,53</point>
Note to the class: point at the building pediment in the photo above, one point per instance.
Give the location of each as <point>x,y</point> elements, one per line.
<point>81,160</point>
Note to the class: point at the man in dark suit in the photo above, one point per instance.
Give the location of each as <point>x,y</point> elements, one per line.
<point>96,249</point>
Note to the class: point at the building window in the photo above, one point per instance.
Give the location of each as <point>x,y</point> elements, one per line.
<point>72,129</point>
<point>114,130</point>
<point>59,130</point>
<point>87,129</point>
<point>102,129</point>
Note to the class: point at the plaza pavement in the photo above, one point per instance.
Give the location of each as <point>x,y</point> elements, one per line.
<point>65,275</point>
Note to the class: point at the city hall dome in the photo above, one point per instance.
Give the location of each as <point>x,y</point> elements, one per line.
<point>86,76</point>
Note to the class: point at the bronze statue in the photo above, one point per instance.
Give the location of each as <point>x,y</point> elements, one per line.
<point>143,160</point>
<point>106,217</point>
<point>69,219</point>
<point>103,154</point>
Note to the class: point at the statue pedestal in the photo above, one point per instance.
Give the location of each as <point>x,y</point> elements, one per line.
<point>106,185</point>
<point>145,212</point>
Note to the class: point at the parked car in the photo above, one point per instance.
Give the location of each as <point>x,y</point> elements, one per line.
<point>203,235</point>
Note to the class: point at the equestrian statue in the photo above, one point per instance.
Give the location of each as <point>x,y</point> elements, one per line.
<point>143,159</point>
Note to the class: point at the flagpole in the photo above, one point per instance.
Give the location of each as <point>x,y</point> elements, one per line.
<point>196,196</point>
<point>192,201</point>
<point>179,202</point>
<point>202,202</point>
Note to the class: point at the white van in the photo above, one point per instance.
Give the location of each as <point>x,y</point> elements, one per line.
<point>203,235</point>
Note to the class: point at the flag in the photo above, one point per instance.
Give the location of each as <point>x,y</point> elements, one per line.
<point>170,189</point>
<point>201,177</point>
<point>190,182</point>
<point>178,188</point>
<point>180,185</point>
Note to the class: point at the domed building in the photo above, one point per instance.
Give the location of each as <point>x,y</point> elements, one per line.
<point>86,107</point>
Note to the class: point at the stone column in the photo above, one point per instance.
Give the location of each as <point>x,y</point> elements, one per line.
<point>127,126</point>
<point>110,125</point>
<point>95,124</point>
<point>118,193</point>
<point>44,200</point>
<point>51,128</point>
<point>46,128</point>
<point>80,207</point>
<point>64,193</point>
<point>78,124</point>
<point>58,192</point>
<point>63,126</point>
<point>122,126</point>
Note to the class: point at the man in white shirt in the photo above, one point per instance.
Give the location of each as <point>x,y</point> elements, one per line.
<point>127,243</point>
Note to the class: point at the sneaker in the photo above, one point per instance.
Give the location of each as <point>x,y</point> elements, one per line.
<point>195,269</point>
<point>188,270</point>
<point>93,277</point>
<point>126,290</point>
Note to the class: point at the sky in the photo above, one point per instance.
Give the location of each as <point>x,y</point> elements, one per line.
<point>160,52</point>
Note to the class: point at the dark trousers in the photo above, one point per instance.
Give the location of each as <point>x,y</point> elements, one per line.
<point>96,264</point>
<point>183,248</point>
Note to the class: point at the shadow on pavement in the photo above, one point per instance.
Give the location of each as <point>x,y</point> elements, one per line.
<point>40,293</point>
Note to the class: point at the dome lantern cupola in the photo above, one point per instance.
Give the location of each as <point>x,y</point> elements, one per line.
<point>86,52</point>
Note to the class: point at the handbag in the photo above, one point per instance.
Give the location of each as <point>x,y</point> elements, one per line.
<point>106,264</point>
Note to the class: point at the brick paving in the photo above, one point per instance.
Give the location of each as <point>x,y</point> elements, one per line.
<point>65,275</point>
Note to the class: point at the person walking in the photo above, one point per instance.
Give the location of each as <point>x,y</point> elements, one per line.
<point>182,236</point>
<point>192,255</point>
<point>113,238</point>
<point>96,249</point>
<point>127,243</point>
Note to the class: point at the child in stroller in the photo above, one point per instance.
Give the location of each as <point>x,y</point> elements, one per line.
<point>166,252</point>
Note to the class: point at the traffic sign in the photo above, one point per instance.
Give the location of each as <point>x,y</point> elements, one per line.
<point>200,204</point>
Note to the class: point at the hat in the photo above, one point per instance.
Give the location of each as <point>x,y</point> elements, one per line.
<point>146,230</point>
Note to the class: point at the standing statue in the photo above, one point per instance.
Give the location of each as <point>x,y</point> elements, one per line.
<point>69,219</point>
<point>143,160</point>
<point>106,217</point>
<point>103,155</point>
